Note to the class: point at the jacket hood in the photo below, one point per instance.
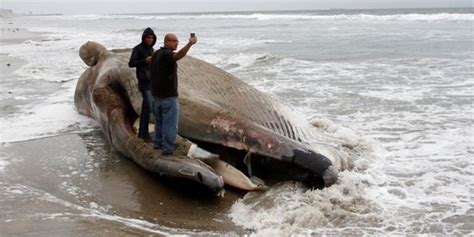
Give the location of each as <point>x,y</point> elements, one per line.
<point>148,31</point>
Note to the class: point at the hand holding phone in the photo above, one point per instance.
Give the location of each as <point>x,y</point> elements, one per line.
<point>193,38</point>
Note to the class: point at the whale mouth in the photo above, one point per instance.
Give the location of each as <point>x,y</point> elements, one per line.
<point>314,170</point>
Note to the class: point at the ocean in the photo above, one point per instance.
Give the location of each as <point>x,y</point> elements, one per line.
<point>399,82</point>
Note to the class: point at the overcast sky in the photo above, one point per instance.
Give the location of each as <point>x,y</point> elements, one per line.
<point>149,6</point>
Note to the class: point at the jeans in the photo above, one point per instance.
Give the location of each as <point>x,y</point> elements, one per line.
<point>166,123</point>
<point>146,113</point>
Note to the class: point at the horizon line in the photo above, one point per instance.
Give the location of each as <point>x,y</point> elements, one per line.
<point>242,11</point>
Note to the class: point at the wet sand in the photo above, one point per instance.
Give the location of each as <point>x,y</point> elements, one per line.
<point>75,185</point>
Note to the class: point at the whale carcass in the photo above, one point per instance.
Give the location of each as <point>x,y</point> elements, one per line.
<point>218,112</point>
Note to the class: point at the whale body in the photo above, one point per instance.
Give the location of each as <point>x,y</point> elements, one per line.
<point>219,112</point>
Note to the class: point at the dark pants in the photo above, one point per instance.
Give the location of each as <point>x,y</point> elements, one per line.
<point>146,112</point>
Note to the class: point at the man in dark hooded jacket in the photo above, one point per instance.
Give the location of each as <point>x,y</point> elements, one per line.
<point>141,59</point>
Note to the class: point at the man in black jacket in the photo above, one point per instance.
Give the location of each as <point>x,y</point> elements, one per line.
<point>164,87</point>
<point>141,59</point>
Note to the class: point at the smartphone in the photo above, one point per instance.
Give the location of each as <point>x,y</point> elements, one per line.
<point>192,35</point>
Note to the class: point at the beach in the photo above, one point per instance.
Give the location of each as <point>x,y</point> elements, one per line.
<point>397,83</point>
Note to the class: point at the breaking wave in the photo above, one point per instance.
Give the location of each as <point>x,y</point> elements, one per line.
<point>267,17</point>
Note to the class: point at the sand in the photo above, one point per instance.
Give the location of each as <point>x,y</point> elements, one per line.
<point>74,184</point>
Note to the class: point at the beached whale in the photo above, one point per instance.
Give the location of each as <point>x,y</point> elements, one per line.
<point>219,113</point>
